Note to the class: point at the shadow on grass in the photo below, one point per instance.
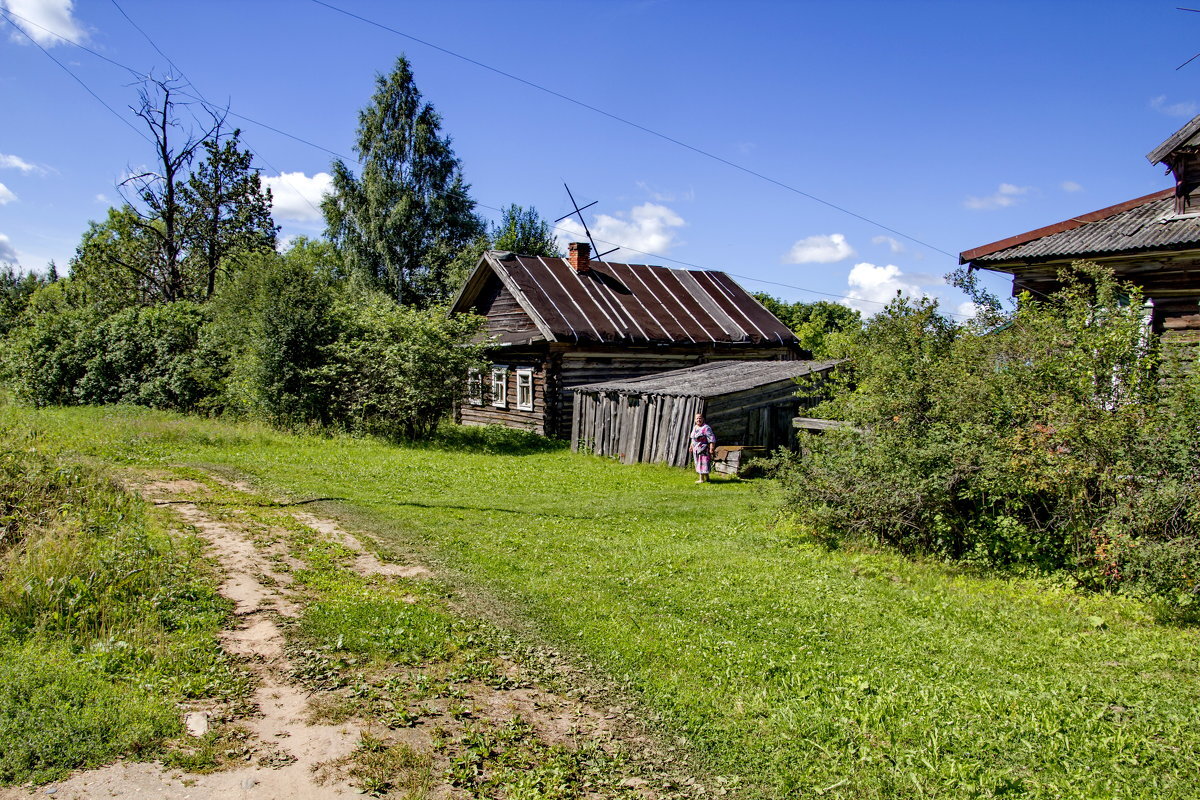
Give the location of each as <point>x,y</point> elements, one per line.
<point>490,440</point>
<point>524,512</point>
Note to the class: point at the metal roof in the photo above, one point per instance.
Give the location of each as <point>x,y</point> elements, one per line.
<point>1147,224</point>
<point>712,379</point>
<point>629,303</point>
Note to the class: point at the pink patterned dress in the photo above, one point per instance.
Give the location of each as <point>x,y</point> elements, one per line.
<point>702,437</point>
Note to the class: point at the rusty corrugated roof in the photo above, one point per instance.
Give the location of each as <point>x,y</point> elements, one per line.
<point>1146,225</point>
<point>712,379</point>
<point>633,303</point>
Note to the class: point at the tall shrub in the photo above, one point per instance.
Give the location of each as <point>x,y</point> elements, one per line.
<point>277,321</point>
<point>402,369</point>
<point>1047,443</point>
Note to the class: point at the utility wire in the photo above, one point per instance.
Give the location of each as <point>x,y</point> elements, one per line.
<point>146,36</point>
<point>74,77</point>
<point>632,124</point>
<point>212,108</point>
<point>661,257</point>
<point>201,99</point>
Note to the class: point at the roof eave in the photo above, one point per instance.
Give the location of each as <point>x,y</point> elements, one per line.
<point>1176,140</point>
<point>969,256</point>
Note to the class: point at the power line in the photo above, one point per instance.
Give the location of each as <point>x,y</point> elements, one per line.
<point>212,108</point>
<point>146,36</point>
<point>661,257</point>
<point>638,126</point>
<point>74,77</point>
<point>198,96</point>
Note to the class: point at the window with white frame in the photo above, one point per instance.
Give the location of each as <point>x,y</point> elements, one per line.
<point>475,388</point>
<point>525,389</point>
<point>500,387</point>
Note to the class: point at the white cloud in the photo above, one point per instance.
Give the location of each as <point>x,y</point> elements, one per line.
<point>296,197</point>
<point>48,22</point>
<point>967,309</point>
<point>101,198</point>
<point>1070,186</point>
<point>871,285</point>
<point>16,162</point>
<point>1008,194</point>
<point>819,249</point>
<point>6,195</point>
<point>1185,108</point>
<point>8,253</point>
<point>894,245</point>
<point>649,228</point>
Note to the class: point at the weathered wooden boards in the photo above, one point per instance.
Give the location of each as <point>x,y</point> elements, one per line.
<point>649,418</point>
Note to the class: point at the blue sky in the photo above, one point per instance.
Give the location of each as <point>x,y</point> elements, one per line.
<point>954,123</point>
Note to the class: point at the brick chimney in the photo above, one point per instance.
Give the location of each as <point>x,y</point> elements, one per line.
<point>579,255</point>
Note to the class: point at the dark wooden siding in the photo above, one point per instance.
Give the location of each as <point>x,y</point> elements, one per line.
<point>633,428</point>
<point>760,417</point>
<point>594,366</point>
<point>654,428</point>
<point>510,416</point>
<point>504,314</point>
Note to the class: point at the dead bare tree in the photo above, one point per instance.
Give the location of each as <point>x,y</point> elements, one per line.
<point>156,195</point>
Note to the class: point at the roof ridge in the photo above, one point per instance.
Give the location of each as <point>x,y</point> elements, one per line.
<point>1061,227</point>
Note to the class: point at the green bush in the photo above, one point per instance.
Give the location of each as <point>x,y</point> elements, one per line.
<point>63,353</point>
<point>1044,444</point>
<point>401,369</point>
<point>47,351</point>
<point>152,356</point>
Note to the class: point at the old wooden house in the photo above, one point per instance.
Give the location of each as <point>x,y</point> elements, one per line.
<point>747,403</point>
<point>1151,241</point>
<point>559,323</point>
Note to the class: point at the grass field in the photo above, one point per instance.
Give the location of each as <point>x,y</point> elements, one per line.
<point>784,668</point>
<point>108,620</point>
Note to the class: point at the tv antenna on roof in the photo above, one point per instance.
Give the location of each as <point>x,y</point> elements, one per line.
<point>578,212</point>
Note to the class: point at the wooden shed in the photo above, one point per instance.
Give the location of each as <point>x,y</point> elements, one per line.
<point>747,403</point>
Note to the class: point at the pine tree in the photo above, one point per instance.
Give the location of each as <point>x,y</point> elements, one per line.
<point>405,218</point>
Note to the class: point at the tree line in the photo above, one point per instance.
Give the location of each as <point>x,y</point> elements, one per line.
<point>180,298</point>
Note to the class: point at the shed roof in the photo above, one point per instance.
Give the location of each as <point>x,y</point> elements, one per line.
<point>630,303</point>
<point>712,379</point>
<point>1145,224</point>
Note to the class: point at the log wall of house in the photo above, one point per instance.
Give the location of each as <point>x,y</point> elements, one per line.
<point>559,368</point>
<point>510,416</point>
<point>1169,280</point>
<point>505,316</point>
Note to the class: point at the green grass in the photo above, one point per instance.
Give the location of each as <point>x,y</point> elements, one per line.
<point>788,668</point>
<point>107,620</point>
